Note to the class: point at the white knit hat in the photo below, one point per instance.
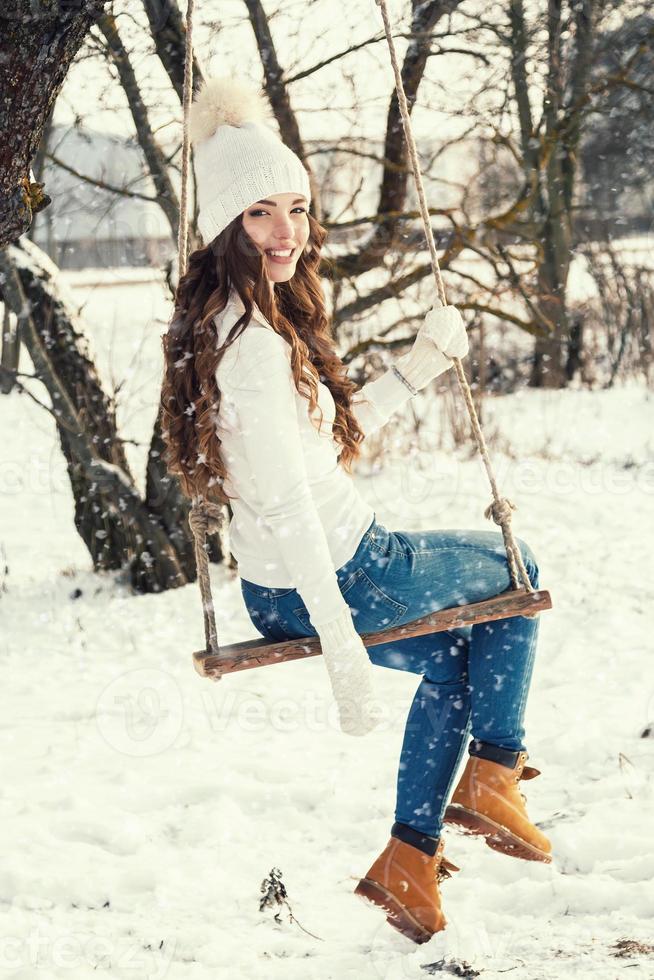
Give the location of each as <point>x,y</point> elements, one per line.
<point>238,159</point>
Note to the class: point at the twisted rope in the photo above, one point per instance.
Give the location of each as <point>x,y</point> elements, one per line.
<point>187,92</point>
<point>500,508</point>
<point>204,517</point>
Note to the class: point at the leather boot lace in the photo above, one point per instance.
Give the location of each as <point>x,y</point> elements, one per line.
<point>445,869</point>
<point>528,772</point>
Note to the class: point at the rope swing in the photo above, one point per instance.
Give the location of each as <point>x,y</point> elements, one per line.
<point>204,517</point>
<point>207,518</point>
<point>500,508</point>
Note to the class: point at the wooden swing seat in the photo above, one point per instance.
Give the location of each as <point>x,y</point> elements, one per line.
<point>260,653</point>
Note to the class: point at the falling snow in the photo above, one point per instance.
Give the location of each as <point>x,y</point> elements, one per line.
<point>144,805</point>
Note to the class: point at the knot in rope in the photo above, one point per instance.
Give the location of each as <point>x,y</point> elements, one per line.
<point>205,518</point>
<point>500,510</point>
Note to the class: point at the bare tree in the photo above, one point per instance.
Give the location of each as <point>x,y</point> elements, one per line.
<point>561,72</point>
<point>116,526</point>
<point>150,538</point>
<point>622,317</point>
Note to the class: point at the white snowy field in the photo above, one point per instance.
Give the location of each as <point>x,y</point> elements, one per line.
<point>143,806</point>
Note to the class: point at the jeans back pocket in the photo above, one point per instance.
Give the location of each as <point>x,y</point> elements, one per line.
<point>261,605</point>
<point>372,609</point>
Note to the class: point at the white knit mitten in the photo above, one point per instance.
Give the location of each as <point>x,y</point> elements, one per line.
<point>350,673</point>
<point>445,327</point>
<point>441,337</point>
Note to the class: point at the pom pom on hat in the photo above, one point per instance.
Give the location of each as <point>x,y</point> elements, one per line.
<point>224,102</point>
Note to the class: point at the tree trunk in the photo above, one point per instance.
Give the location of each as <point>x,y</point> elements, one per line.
<point>550,351</point>
<point>39,42</point>
<point>10,352</point>
<point>574,362</point>
<point>118,529</point>
<point>563,112</point>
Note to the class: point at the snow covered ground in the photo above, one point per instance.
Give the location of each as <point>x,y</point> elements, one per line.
<point>142,806</point>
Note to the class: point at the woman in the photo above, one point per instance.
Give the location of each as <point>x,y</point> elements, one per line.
<point>258,410</point>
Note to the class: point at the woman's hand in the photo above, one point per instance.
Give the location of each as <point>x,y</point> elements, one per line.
<point>350,673</point>
<point>441,337</point>
<point>444,326</point>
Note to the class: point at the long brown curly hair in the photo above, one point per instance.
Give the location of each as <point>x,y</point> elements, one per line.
<point>190,397</point>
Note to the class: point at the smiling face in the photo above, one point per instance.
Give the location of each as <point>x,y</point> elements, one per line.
<point>279,225</point>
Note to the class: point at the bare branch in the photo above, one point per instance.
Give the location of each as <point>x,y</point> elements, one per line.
<point>373,219</point>
<point>168,30</point>
<point>94,182</point>
<point>525,325</point>
<point>393,190</point>
<point>276,89</point>
<point>156,159</point>
<point>520,83</point>
<point>334,57</point>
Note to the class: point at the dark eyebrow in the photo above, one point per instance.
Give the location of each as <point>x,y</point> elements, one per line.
<point>273,204</point>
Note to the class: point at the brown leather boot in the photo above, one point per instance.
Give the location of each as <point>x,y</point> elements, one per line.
<point>404,882</point>
<point>488,801</point>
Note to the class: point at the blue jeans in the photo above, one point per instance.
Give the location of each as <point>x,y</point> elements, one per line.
<point>474,679</point>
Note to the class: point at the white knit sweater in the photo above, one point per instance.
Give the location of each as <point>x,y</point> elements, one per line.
<point>297,516</point>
